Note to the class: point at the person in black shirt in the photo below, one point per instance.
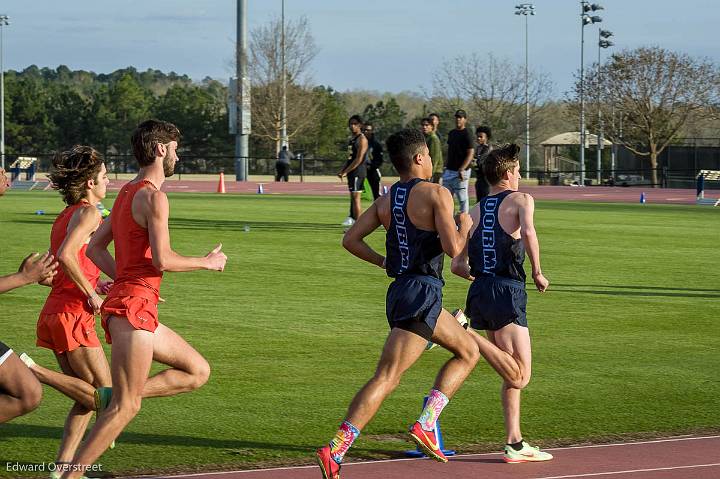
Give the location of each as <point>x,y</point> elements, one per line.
<point>375,160</point>
<point>482,150</point>
<point>355,168</point>
<point>460,155</point>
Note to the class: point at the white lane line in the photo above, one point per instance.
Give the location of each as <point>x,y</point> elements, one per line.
<point>631,471</point>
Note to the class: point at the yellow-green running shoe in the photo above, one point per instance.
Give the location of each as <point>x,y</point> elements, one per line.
<point>102,399</point>
<point>528,453</point>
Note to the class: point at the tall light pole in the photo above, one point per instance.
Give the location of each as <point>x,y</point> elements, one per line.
<point>242,95</point>
<point>603,42</point>
<point>283,121</point>
<point>526,9</point>
<point>585,19</point>
<point>3,22</point>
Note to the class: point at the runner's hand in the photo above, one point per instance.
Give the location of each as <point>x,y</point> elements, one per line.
<point>541,282</point>
<point>464,221</point>
<point>103,287</point>
<point>95,301</point>
<point>36,270</point>
<point>216,259</point>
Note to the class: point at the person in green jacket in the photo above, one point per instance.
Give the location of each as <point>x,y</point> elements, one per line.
<point>433,143</point>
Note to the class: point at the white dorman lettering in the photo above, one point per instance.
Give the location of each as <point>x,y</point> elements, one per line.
<point>400,229</point>
<point>489,219</point>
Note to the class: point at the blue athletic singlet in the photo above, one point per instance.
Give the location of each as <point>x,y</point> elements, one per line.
<point>410,250</point>
<point>491,251</point>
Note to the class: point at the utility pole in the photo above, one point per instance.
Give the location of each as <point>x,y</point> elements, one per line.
<point>585,19</point>
<point>526,9</point>
<point>3,22</point>
<point>242,95</point>
<point>603,42</point>
<point>284,138</point>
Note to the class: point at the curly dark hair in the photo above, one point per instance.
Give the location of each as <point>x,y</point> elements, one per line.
<point>402,146</point>
<point>72,169</point>
<point>500,160</point>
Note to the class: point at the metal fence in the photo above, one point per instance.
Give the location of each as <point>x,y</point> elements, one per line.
<point>190,164</point>
<point>664,178</point>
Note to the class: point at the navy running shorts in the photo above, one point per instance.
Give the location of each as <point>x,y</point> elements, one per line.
<point>493,303</point>
<point>5,352</point>
<point>414,303</point>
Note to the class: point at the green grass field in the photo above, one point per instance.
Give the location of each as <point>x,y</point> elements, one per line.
<point>625,341</point>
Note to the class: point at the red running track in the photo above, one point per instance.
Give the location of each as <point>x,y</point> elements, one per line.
<point>567,193</point>
<point>670,458</point>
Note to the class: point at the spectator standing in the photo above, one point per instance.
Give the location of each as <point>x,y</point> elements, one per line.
<point>355,168</point>
<point>282,165</point>
<point>374,160</point>
<point>433,144</point>
<point>482,150</point>
<point>461,151</point>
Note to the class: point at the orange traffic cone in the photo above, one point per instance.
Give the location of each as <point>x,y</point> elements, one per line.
<point>221,183</point>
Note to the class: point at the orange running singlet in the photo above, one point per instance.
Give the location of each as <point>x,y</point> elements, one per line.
<point>136,275</point>
<point>65,296</point>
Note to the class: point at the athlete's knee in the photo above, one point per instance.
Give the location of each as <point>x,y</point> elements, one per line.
<point>520,381</point>
<point>200,374</point>
<point>30,397</point>
<point>128,406</point>
<point>468,352</point>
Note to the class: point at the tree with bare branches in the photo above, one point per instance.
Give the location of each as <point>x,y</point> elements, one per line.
<point>492,90</point>
<point>657,93</point>
<point>265,70</point>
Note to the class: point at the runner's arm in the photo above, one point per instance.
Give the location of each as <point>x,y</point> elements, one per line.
<point>452,231</point>
<point>82,225</point>
<point>156,209</point>
<point>526,210</point>
<point>97,250</point>
<point>460,265</point>
<point>358,159</point>
<point>33,269</point>
<point>354,239</point>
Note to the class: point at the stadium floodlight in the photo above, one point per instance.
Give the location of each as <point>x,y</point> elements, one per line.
<point>603,42</point>
<point>585,19</point>
<point>4,21</point>
<point>526,9</point>
<point>594,7</point>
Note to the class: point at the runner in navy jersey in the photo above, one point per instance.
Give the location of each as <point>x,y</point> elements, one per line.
<point>503,232</point>
<point>418,217</point>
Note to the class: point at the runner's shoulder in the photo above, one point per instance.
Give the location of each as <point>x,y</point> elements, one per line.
<point>521,198</point>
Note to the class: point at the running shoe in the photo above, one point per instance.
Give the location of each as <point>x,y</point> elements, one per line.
<point>329,468</point>
<point>461,318</point>
<point>102,399</point>
<point>427,442</point>
<point>348,222</point>
<point>528,453</point>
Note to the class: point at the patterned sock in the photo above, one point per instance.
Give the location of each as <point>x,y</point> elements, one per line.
<point>435,404</point>
<point>342,441</point>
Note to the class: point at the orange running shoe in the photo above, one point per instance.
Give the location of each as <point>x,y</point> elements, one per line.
<point>427,442</point>
<point>330,469</point>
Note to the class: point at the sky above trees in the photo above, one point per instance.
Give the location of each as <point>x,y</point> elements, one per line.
<point>373,45</point>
